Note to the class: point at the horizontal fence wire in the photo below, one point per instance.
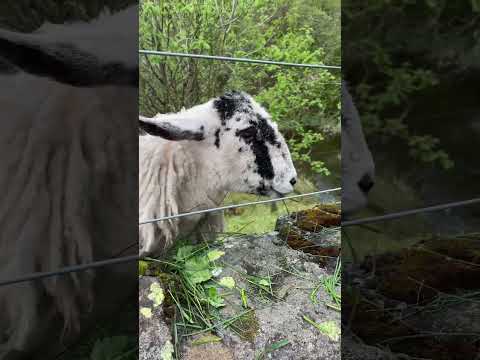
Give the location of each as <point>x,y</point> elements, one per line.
<point>221,208</point>
<point>70,269</point>
<point>237,59</point>
<point>130,258</point>
<point>401,214</point>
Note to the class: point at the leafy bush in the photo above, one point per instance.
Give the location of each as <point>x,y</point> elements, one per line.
<point>304,102</point>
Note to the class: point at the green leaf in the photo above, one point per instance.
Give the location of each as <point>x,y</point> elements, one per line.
<point>207,339</point>
<point>227,282</point>
<point>279,344</point>
<point>243,295</point>
<point>214,298</point>
<point>142,267</point>
<point>198,276</point>
<point>264,282</point>
<point>328,328</point>
<point>197,263</point>
<point>215,254</point>
<point>184,252</point>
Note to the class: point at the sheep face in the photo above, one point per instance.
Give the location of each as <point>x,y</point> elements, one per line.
<point>257,156</point>
<point>357,163</point>
<point>238,141</point>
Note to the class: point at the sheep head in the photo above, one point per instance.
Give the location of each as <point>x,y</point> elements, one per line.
<point>237,140</point>
<point>357,163</point>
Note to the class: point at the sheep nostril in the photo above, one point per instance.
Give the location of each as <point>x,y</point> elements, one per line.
<point>293,181</point>
<point>366,183</point>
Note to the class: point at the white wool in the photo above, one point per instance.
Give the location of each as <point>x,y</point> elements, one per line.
<point>178,177</point>
<point>172,182</point>
<point>64,178</point>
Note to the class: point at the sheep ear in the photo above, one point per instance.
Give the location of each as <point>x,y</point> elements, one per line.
<point>174,130</point>
<point>61,62</point>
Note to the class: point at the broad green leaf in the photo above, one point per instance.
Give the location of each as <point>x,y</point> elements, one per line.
<point>197,263</point>
<point>228,282</point>
<point>198,276</point>
<point>215,254</point>
<point>184,252</point>
<point>214,298</point>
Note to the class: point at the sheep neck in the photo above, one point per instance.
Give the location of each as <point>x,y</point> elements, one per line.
<point>204,188</point>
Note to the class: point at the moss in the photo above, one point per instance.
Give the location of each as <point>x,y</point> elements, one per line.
<point>247,326</point>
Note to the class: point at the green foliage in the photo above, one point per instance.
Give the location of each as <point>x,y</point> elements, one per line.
<point>304,102</point>
<point>376,53</point>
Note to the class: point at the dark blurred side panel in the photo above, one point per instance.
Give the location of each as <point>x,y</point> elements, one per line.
<point>69,178</point>
<point>411,286</point>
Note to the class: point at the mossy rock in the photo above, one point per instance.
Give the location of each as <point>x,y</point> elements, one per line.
<point>423,289</point>
<point>314,231</point>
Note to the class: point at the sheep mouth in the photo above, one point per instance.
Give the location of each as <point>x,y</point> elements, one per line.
<point>272,193</point>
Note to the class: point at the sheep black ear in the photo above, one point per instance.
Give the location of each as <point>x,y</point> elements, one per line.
<point>169,130</point>
<point>62,62</point>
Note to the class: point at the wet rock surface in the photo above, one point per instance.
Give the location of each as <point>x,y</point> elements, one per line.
<point>313,231</point>
<point>155,340</point>
<point>278,317</point>
<point>268,315</point>
<point>422,301</point>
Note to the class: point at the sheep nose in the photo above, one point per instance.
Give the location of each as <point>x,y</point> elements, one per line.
<point>366,183</point>
<point>293,181</point>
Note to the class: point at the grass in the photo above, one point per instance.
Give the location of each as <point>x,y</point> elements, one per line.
<point>259,219</point>
<point>332,285</point>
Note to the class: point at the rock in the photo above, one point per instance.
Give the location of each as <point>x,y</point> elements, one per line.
<point>155,340</point>
<point>315,231</point>
<point>418,300</point>
<point>210,351</point>
<point>276,317</point>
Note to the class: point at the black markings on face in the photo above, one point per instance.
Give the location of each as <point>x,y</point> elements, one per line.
<point>257,136</point>
<point>240,149</point>
<point>217,138</point>
<point>230,103</point>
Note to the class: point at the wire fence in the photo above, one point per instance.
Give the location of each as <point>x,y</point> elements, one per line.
<point>227,207</point>
<point>237,59</point>
<point>130,258</point>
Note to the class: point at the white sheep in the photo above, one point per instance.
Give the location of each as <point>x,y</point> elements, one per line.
<point>358,168</point>
<point>190,160</point>
<point>68,150</point>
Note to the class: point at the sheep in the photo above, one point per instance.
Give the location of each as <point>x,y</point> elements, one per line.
<point>358,169</point>
<point>68,147</point>
<point>190,160</point>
